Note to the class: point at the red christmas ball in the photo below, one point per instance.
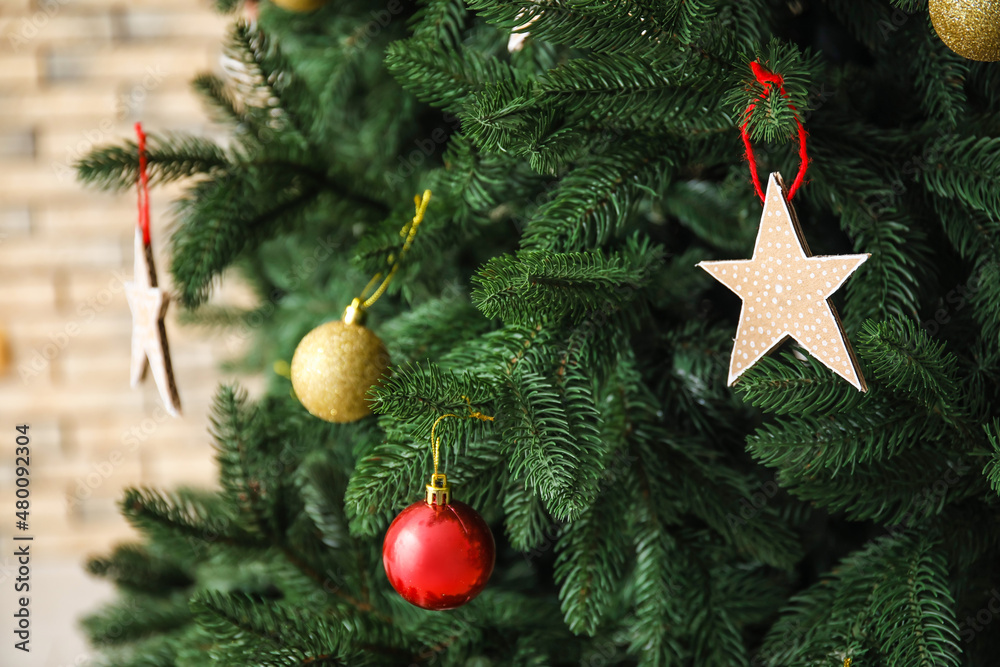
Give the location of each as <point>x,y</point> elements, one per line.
<point>438,556</point>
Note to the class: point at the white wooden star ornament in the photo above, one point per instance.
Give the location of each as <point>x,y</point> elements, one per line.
<point>785,292</point>
<point>148,304</point>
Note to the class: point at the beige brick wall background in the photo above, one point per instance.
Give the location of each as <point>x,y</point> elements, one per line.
<point>75,74</point>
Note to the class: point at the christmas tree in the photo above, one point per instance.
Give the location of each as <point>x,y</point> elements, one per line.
<point>644,512</point>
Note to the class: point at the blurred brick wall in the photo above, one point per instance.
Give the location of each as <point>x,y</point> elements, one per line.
<point>75,74</point>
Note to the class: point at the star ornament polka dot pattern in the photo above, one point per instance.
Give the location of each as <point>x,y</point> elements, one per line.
<point>785,292</point>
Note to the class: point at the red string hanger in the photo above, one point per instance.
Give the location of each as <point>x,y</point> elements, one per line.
<point>142,185</point>
<point>767,79</point>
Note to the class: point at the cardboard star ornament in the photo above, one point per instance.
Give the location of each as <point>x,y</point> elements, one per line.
<point>786,292</point>
<point>148,304</point>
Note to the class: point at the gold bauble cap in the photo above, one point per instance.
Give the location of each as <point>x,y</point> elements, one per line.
<point>333,368</point>
<point>438,492</point>
<point>970,28</point>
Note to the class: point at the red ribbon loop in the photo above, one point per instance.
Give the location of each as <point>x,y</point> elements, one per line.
<point>767,79</point>
<point>142,185</point>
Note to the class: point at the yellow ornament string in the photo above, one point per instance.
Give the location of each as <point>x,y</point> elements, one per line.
<point>439,480</point>
<point>409,231</point>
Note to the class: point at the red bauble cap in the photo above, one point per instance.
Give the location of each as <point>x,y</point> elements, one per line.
<point>438,556</point>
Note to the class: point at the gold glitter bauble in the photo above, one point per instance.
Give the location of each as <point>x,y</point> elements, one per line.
<point>300,5</point>
<point>970,28</point>
<point>333,368</point>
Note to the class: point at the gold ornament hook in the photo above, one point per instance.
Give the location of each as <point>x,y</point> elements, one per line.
<point>438,491</point>
<point>356,311</point>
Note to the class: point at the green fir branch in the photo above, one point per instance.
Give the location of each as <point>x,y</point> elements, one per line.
<point>232,426</point>
<point>657,30</point>
<point>992,468</point>
<point>439,20</point>
<point>913,593</point>
<point>716,636</point>
<point>133,567</point>
<point>589,566</point>
<point>321,486</point>
<point>799,443</point>
<point>974,234</point>
<point>271,634</point>
<point>888,284</point>
<point>263,85</point>
<point>484,187</point>
<point>642,93</point>
<point>414,393</point>
<point>156,651</point>
<point>559,465</point>
<point>169,157</point>
<point>723,214</point>
<point>652,635</point>
<point>890,598</point>
<point>443,77</point>
<point>789,385</point>
<point>218,219</point>
<point>384,482</point>
<point>939,75</point>
<point>904,356</point>
<point>986,301</point>
<point>966,169</point>
<point>594,202</point>
<point>433,328</point>
<point>134,618</point>
<point>500,117</point>
<point>713,494</point>
<point>528,526</point>
<point>185,515</point>
<point>927,481</point>
<point>773,115</point>
<point>534,285</point>
<point>219,101</point>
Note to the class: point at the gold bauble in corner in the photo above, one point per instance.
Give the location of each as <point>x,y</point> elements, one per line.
<point>970,28</point>
<point>300,5</point>
<point>333,368</point>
